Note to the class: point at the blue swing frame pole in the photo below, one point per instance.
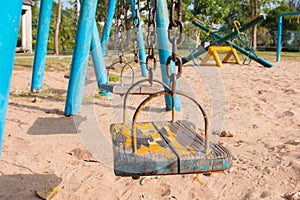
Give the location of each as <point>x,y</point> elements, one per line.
<point>164,49</point>
<point>41,45</point>
<point>10,15</point>
<point>98,60</point>
<point>80,56</point>
<point>142,50</point>
<point>279,36</point>
<point>107,25</point>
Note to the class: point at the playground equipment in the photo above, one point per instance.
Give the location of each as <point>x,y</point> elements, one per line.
<point>280,32</point>
<point>86,25</point>
<point>219,40</point>
<point>165,147</point>
<point>175,146</point>
<point>139,47</point>
<point>291,41</point>
<point>11,12</point>
<point>122,88</point>
<point>213,51</point>
<point>142,89</point>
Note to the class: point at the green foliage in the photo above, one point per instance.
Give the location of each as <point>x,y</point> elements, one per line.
<point>294,4</point>
<point>288,22</point>
<point>113,78</point>
<point>101,13</point>
<point>35,18</point>
<point>222,12</point>
<point>67,29</point>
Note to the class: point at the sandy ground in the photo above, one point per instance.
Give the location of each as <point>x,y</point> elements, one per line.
<point>260,107</point>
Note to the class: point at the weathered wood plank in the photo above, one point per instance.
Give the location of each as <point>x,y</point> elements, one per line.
<point>190,148</point>
<point>165,148</point>
<point>153,154</point>
<point>122,89</point>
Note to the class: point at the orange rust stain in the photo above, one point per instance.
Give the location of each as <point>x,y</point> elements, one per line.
<point>156,148</point>
<point>180,149</point>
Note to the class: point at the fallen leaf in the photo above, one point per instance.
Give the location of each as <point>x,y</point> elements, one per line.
<point>226,134</point>
<point>293,196</point>
<point>83,155</point>
<point>48,193</point>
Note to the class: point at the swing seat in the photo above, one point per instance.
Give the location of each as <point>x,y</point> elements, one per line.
<point>165,148</point>
<point>122,89</point>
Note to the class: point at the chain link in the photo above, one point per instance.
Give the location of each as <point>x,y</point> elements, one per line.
<point>176,6</point>
<point>136,24</point>
<point>121,28</point>
<point>75,13</point>
<point>175,39</point>
<point>151,37</point>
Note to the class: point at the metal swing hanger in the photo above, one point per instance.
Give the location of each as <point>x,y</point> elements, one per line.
<point>151,61</point>
<point>121,29</point>
<point>165,147</point>
<point>136,25</point>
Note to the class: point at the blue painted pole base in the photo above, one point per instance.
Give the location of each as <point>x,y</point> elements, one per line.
<point>10,15</point>
<point>41,45</point>
<point>80,56</point>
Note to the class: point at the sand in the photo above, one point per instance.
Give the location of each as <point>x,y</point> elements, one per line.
<point>259,107</point>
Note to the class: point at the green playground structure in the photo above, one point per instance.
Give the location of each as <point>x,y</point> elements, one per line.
<point>220,39</point>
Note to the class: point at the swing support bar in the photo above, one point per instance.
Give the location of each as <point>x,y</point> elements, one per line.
<point>280,32</point>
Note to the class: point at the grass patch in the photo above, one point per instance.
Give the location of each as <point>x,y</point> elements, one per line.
<point>113,78</point>
<point>267,55</point>
<point>59,63</point>
<point>285,56</point>
<point>35,97</point>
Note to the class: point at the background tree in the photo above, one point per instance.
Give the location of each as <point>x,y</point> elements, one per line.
<point>254,7</point>
<point>68,29</point>
<point>221,13</point>
<point>293,4</point>
<point>58,20</point>
<point>288,22</point>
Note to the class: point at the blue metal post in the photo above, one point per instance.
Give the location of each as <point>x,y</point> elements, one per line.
<point>98,60</point>
<point>41,45</point>
<point>142,51</point>
<point>164,48</point>
<point>279,38</point>
<point>280,32</point>
<point>10,15</point>
<point>80,56</point>
<point>108,24</point>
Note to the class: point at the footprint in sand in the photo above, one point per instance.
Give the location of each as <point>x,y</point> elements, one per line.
<point>82,154</point>
<point>145,197</point>
<point>285,114</point>
<point>265,194</point>
<point>293,196</point>
<point>165,190</point>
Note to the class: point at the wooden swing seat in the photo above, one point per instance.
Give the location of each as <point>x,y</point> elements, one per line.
<point>122,89</point>
<point>165,148</point>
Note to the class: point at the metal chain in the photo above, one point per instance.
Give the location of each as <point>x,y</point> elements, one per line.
<point>151,37</point>
<point>136,24</point>
<point>75,13</point>
<point>121,29</point>
<point>175,39</point>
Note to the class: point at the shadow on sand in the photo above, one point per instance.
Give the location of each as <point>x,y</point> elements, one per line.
<point>23,186</point>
